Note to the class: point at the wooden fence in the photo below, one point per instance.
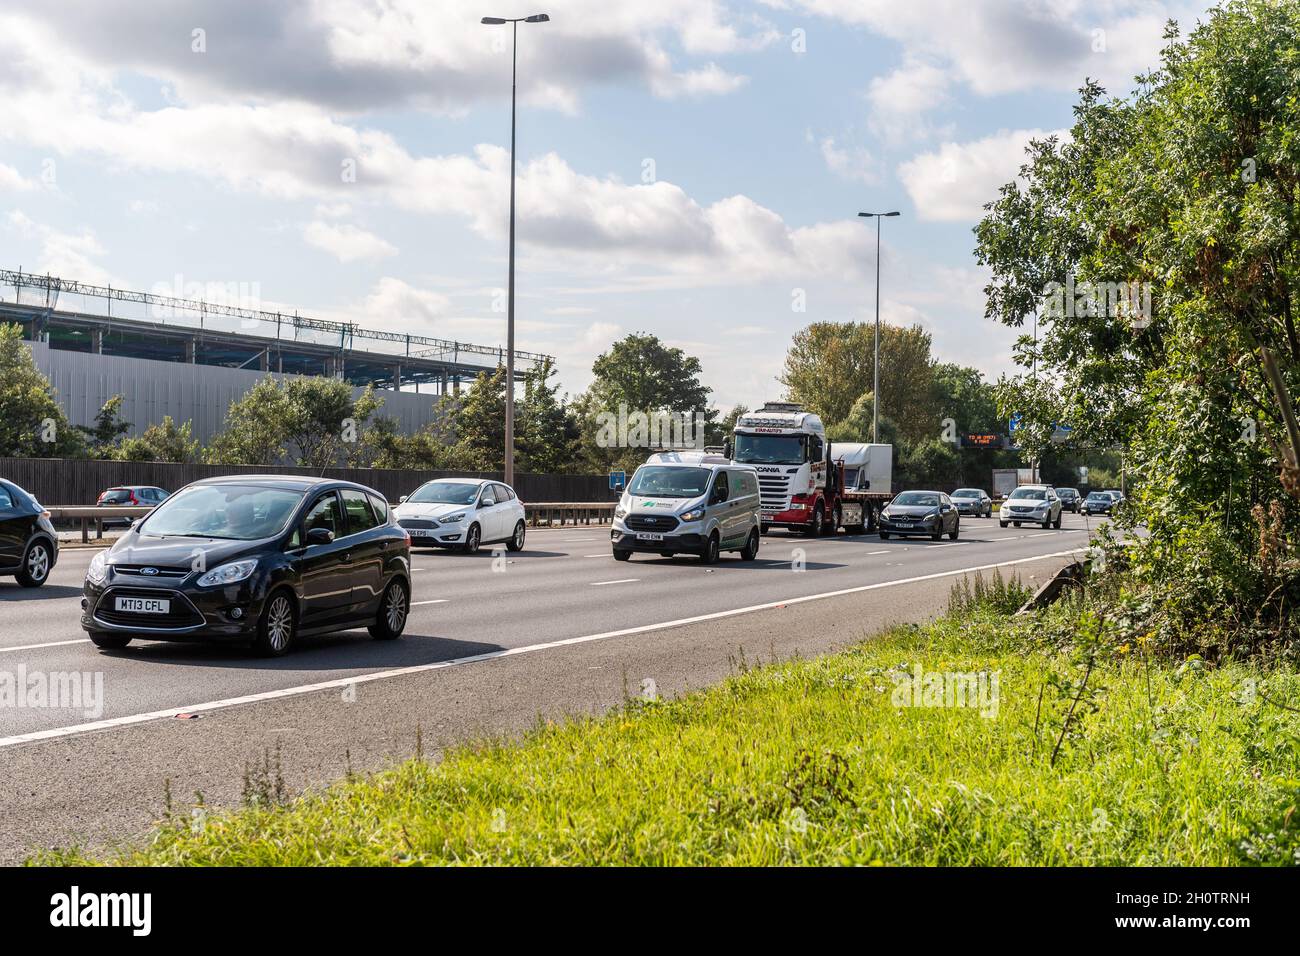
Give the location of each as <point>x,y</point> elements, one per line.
<point>79,482</point>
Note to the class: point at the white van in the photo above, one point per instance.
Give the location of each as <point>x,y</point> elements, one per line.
<point>689,503</point>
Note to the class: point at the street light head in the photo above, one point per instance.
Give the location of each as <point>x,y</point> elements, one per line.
<point>537,18</point>
<point>867,214</point>
<point>493,21</point>
<point>892,214</point>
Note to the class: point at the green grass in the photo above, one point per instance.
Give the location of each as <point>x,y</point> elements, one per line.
<point>809,762</point>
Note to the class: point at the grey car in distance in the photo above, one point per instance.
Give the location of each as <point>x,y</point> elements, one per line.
<point>973,501</point>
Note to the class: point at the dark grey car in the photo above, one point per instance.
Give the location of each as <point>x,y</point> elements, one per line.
<point>929,513</point>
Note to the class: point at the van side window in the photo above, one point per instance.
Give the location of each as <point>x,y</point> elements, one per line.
<point>720,489</point>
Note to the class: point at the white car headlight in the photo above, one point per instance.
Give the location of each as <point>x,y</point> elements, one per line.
<point>452,519</point>
<point>695,514</point>
<point>98,569</point>
<point>231,573</point>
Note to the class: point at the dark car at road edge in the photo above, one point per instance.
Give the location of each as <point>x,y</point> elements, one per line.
<point>29,545</point>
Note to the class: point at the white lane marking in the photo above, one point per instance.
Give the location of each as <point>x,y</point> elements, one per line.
<point>112,722</point>
<point>32,647</point>
<point>870,553</point>
<point>596,584</point>
<point>603,554</point>
<point>435,601</point>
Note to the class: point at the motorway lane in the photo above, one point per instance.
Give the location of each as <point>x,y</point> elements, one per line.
<point>563,586</point>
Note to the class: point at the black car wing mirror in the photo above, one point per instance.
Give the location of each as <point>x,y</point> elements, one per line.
<point>320,536</point>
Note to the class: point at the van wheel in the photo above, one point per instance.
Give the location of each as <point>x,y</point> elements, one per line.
<point>1002,523</point>
<point>109,642</point>
<point>710,553</point>
<point>516,542</point>
<point>36,565</point>
<point>750,551</point>
<point>765,529</point>
<point>276,626</point>
<point>622,555</point>
<point>390,619</point>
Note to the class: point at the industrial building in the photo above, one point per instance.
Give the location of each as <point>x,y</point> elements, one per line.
<point>190,359</point>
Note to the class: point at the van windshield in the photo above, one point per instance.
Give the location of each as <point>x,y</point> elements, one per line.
<point>663,481</point>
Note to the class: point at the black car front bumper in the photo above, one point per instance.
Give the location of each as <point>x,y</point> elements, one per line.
<point>227,613</point>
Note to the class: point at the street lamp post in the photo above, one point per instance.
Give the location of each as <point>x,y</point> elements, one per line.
<point>875,379</point>
<point>510,295</point>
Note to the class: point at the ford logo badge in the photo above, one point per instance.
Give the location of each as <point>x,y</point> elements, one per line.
<point>148,570</point>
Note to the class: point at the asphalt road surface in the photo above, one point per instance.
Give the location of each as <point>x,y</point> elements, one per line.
<point>493,642</point>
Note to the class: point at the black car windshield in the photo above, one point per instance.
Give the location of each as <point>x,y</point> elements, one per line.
<point>663,481</point>
<point>445,493</point>
<point>1099,496</point>
<point>1031,494</point>
<point>237,512</point>
<point>917,499</point>
<point>1067,493</point>
<point>967,493</point>
<point>770,449</point>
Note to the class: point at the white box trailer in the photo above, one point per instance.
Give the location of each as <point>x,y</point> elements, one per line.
<point>867,473</point>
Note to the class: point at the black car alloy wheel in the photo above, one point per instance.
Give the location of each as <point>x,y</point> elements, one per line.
<point>390,620</point>
<point>36,565</point>
<point>275,629</point>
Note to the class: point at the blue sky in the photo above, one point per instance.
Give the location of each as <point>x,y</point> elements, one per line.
<point>688,168</point>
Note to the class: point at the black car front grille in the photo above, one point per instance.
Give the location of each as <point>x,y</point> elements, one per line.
<point>417,523</point>
<point>150,570</point>
<point>182,613</point>
<point>640,522</point>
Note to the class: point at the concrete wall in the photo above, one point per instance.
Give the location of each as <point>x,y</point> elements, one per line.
<point>200,394</point>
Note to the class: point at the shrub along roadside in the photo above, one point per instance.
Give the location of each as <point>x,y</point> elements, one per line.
<point>830,761</point>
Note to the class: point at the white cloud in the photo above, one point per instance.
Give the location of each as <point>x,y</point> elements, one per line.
<point>952,183</point>
<point>901,99</point>
<point>70,254</point>
<point>1003,46</point>
<point>346,242</point>
<point>353,55</point>
<point>854,164</point>
<point>12,179</point>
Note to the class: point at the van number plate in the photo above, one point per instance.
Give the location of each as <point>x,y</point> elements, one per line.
<point>142,605</point>
<point>649,536</point>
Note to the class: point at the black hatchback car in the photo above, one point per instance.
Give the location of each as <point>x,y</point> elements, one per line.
<point>253,558</point>
<point>29,545</point>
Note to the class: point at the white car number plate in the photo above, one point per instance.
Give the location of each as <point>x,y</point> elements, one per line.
<point>649,536</point>
<point>143,605</point>
<point>420,532</point>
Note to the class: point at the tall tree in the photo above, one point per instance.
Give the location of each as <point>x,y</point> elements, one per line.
<point>547,432</point>
<point>481,423</point>
<point>830,365</point>
<point>32,423</point>
<point>109,428</point>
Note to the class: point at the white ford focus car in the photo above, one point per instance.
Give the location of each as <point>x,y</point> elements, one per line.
<point>463,513</point>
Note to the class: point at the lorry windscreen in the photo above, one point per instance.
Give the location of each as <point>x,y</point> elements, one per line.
<point>770,449</point>
<point>665,481</point>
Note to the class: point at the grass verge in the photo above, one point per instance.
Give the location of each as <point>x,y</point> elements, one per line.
<point>816,762</point>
